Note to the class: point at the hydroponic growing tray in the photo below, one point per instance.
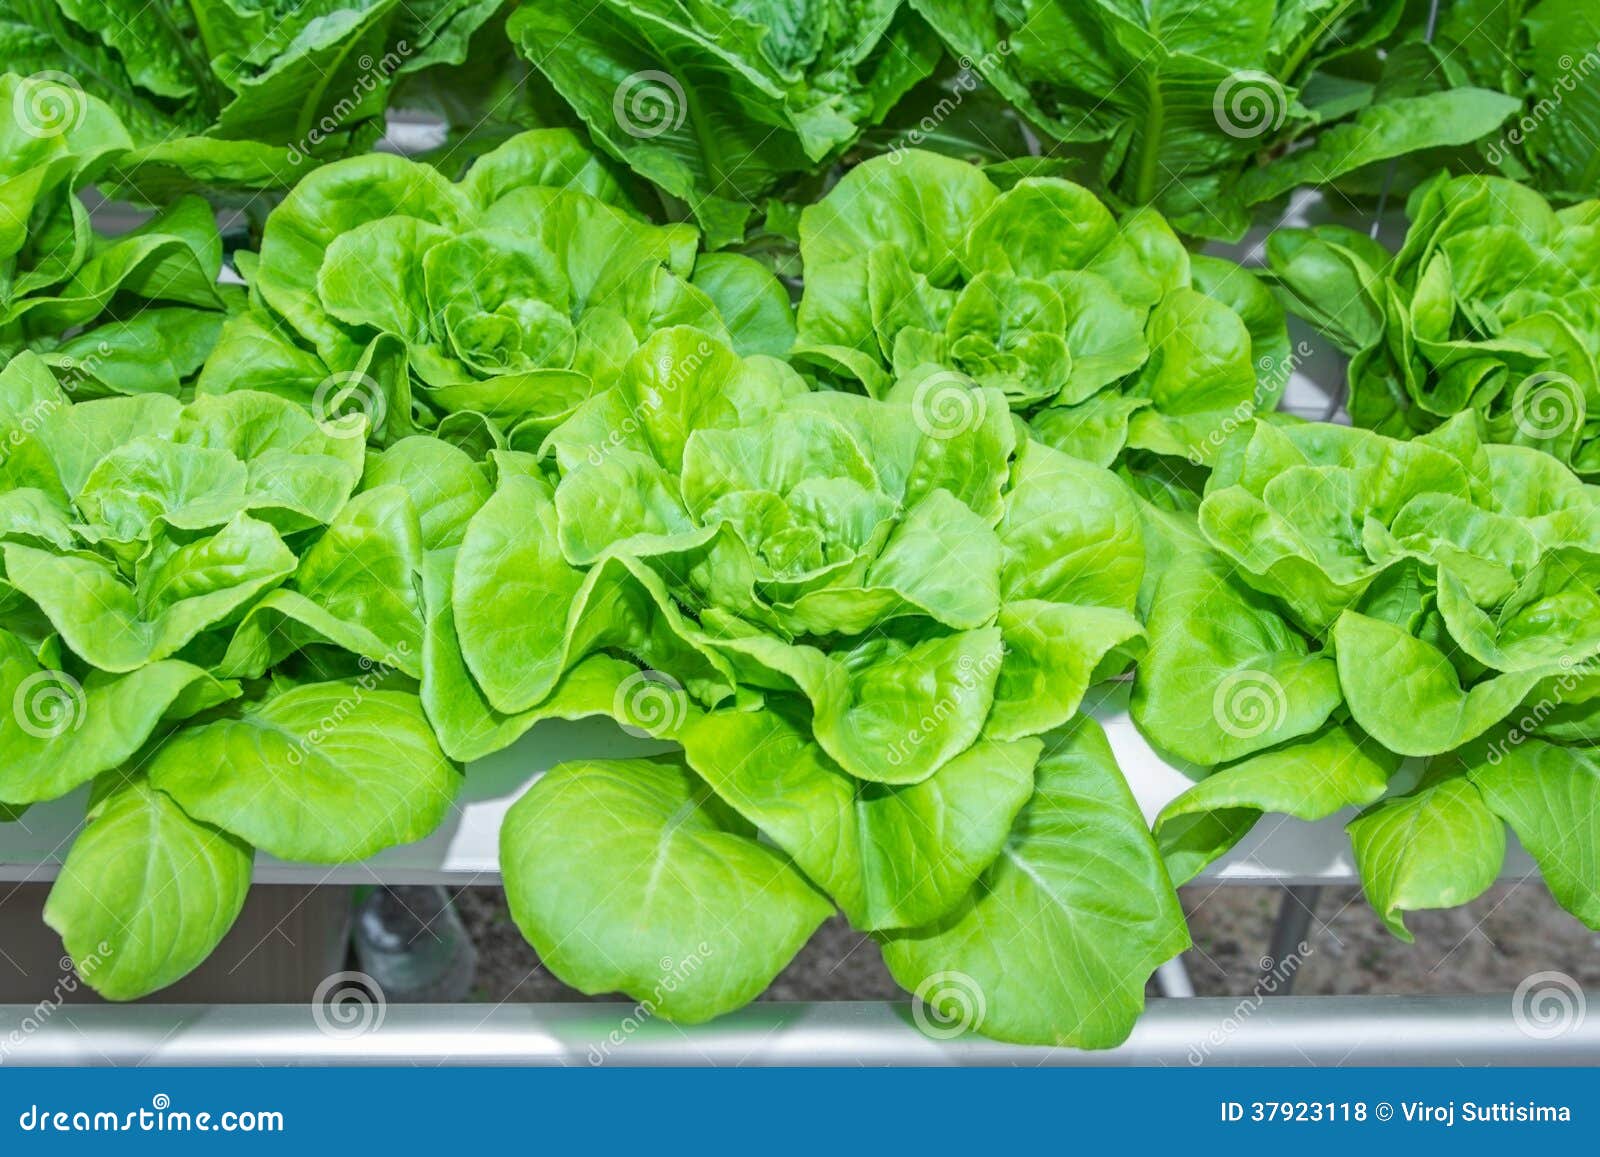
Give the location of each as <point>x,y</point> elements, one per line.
<point>465,849</point>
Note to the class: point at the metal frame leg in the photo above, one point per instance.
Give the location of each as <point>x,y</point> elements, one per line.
<point>1172,978</point>
<point>1289,931</point>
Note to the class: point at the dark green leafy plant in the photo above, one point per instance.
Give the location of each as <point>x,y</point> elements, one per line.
<point>719,104</point>
<point>1349,602</point>
<point>237,92</point>
<point>207,615</point>
<point>111,315</point>
<point>923,276</point>
<point>1546,54</point>
<point>1208,110</point>
<point>1491,306</point>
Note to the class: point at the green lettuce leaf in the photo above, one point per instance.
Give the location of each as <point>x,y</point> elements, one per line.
<point>324,772</point>
<point>1055,942</point>
<point>146,892</point>
<point>640,903</point>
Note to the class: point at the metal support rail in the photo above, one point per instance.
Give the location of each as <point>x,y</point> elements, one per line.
<point>1289,1031</point>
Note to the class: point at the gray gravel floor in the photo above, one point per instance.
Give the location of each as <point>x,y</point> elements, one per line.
<point>1489,945</point>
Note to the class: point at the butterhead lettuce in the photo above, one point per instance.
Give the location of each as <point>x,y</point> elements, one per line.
<point>923,275</point>
<point>1492,306</point>
<point>204,616</point>
<point>870,637</point>
<point>1410,627</point>
<point>496,303</point>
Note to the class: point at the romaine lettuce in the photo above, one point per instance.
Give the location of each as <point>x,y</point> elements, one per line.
<point>1544,53</point>
<point>238,94</point>
<point>717,104</point>
<point>1207,110</point>
<point>130,314</point>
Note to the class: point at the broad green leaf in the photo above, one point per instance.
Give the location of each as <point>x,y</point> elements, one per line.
<point>358,585</point>
<point>157,350</point>
<point>1095,430</point>
<point>446,486</point>
<point>1379,132</point>
<point>146,893</point>
<point>1404,692</point>
<point>679,381</point>
<point>61,732</point>
<point>921,204</point>
<point>1200,379</point>
<point>628,875</point>
<point>542,158</point>
<point>467,725</point>
<point>889,711</point>
<point>1310,779</point>
<point>324,772</point>
<point>181,591</point>
<point>1435,848</point>
<point>301,470</point>
<point>1550,796</point>
<point>1055,942</point>
<point>150,479</point>
<point>1226,675</point>
<point>1070,533</point>
<point>1552,619</point>
<point>328,203</point>
<point>512,594</point>
<point>1053,653</point>
<point>891,857</point>
<point>753,303</point>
